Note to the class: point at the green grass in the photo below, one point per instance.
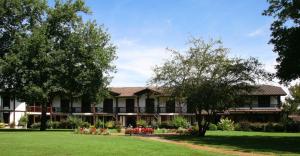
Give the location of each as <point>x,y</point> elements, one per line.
<point>278,143</point>
<point>67,143</point>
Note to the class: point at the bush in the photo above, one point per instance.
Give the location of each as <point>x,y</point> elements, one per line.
<point>292,126</point>
<point>53,124</point>
<point>212,127</point>
<point>226,125</point>
<point>141,123</point>
<point>242,126</point>
<point>110,124</point>
<point>154,124</point>
<point>2,125</point>
<point>179,121</point>
<point>99,124</point>
<point>36,125</point>
<point>144,131</point>
<point>84,124</point>
<point>257,127</point>
<point>73,122</point>
<point>167,125</point>
<point>12,125</point>
<point>23,121</point>
<point>118,127</point>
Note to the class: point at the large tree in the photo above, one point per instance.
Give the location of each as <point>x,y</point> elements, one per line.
<point>292,102</point>
<point>207,80</point>
<point>61,55</point>
<point>286,37</point>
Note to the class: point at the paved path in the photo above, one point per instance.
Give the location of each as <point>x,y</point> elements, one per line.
<point>201,147</point>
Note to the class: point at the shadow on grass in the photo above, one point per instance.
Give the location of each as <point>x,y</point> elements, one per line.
<point>274,144</point>
<point>35,130</point>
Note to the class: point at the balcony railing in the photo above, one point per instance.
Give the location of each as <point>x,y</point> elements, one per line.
<point>36,109</point>
<point>170,110</point>
<point>109,110</point>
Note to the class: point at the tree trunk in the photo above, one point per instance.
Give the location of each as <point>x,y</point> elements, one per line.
<point>202,128</point>
<point>44,117</point>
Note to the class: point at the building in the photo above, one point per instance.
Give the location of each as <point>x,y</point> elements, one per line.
<point>126,104</point>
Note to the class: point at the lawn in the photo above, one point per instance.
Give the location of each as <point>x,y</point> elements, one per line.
<point>277,143</point>
<point>67,143</point>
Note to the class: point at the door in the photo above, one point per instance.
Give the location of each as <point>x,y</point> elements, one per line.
<point>108,106</point>
<point>129,105</point>
<point>170,106</point>
<point>149,105</point>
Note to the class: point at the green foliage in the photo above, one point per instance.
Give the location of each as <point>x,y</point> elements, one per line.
<point>180,121</point>
<point>73,121</point>
<point>2,125</point>
<point>118,127</point>
<point>208,79</point>
<point>110,124</point>
<point>99,124</point>
<point>292,102</point>
<point>166,124</point>
<point>212,127</point>
<point>285,37</point>
<point>226,125</point>
<point>23,120</point>
<point>56,52</point>
<point>36,125</point>
<point>53,124</point>
<point>142,123</point>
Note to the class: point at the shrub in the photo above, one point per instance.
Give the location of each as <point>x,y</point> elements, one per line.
<point>212,127</point>
<point>2,125</point>
<point>226,125</point>
<point>99,124</point>
<point>23,121</point>
<point>292,126</point>
<point>179,121</point>
<point>53,124</point>
<point>118,127</point>
<point>144,131</point>
<point>154,124</point>
<point>110,124</point>
<point>257,127</point>
<point>12,125</point>
<point>84,124</point>
<point>141,123</point>
<point>242,126</point>
<point>73,122</point>
<point>36,125</point>
<point>166,124</point>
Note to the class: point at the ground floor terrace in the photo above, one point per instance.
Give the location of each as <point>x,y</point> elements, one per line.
<point>28,143</point>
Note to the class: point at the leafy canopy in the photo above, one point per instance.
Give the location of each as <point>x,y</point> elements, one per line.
<point>285,37</point>
<point>207,79</point>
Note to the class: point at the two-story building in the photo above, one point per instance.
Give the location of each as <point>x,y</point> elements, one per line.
<point>127,104</point>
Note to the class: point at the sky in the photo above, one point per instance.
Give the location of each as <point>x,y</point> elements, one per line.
<point>143,29</point>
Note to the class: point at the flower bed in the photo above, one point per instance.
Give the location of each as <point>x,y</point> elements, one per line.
<point>139,131</point>
<point>92,131</point>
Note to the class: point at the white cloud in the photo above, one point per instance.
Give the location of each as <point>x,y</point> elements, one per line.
<point>255,33</point>
<point>135,62</point>
<point>264,30</point>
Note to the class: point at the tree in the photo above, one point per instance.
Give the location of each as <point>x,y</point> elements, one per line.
<point>18,18</point>
<point>207,80</point>
<point>292,102</point>
<point>60,55</point>
<point>285,37</point>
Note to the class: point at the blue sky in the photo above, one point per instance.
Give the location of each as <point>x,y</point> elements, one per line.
<point>143,29</point>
